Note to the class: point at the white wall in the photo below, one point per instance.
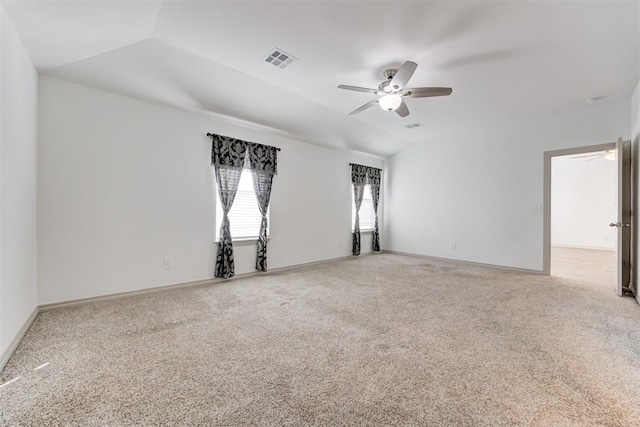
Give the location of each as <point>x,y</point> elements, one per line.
<point>584,193</point>
<point>18,139</point>
<point>123,183</point>
<point>483,188</point>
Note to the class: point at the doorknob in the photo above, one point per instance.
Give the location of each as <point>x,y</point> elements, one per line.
<point>619,224</point>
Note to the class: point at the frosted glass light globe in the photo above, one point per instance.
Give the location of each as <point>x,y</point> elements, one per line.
<point>390,102</point>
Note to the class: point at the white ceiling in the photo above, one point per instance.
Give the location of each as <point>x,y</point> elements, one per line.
<point>504,60</point>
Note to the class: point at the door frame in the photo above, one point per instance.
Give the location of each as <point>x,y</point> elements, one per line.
<point>546,203</point>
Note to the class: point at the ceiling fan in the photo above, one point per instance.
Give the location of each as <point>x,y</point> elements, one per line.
<point>392,90</point>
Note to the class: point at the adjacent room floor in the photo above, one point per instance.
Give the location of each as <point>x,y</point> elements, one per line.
<point>587,265</point>
<point>376,340</point>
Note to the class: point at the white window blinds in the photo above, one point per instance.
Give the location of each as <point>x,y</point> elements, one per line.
<point>244,217</point>
<point>367,217</point>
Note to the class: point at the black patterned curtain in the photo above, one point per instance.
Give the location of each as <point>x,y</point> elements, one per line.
<point>227,158</point>
<point>263,164</point>
<point>374,182</point>
<point>360,176</point>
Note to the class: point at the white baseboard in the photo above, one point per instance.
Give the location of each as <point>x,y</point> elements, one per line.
<point>480,264</point>
<point>118,295</point>
<point>107,297</point>
<point>8,352</point>
<point>591,248</point>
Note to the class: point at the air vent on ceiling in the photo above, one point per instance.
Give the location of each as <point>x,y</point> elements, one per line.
<point>279,58</point>
<point>414,125</point>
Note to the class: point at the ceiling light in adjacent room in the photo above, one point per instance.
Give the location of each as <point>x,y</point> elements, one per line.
<point>390,102</point>
<point>594,99</point>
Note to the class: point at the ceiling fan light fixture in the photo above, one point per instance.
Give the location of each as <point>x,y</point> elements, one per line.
<point>390,102</point>
<point>392,91</point>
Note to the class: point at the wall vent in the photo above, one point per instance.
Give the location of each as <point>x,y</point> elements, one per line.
<point>279,58</point>
<point>414,125</point>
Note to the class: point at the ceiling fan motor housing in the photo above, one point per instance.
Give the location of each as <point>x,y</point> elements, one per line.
<point>390,73</point>
<point>386,85</point>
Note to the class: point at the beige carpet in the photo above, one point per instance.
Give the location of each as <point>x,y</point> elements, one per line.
<point>376,340</point>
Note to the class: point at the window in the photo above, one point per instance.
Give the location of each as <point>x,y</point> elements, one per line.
<point>244,216</point>
<point>367,217</point>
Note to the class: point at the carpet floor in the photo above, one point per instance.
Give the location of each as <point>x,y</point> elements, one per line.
<point>377,340</point>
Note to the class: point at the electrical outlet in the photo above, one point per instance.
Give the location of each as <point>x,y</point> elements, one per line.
<point>454,245</point>
<point>167,263</point>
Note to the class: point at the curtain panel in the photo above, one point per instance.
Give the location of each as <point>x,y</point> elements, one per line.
<point>228,159</point>
<point>374,181</point>
<point>360,176</point>
<point>263,163</point>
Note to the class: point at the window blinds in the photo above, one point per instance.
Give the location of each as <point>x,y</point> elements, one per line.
<point>244,217</point>
<point>367,216</point>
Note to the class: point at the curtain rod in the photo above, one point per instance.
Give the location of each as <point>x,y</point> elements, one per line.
<point>210,135</point>
<point>358,164</point>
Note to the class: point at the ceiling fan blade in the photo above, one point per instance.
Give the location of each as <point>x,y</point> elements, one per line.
<point>364,107</point>
<point>423,92</point>
<point>594,158</point>
<point>358,89</point>
<point>403,110</point>
<point>403,75</point>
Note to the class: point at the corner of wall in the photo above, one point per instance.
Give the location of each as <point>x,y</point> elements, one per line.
<point>18,187</point>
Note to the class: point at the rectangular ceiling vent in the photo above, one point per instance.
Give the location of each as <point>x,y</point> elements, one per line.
<point>279,58</point>
<point>414,125</point>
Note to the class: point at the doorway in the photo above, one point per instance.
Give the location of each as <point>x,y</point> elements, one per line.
<point>584,190</point>
<point>587,214</point>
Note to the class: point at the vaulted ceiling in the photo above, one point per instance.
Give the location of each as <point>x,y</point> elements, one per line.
<point>504,60</point>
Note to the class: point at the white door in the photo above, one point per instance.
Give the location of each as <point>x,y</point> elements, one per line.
<point>624,221</point>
